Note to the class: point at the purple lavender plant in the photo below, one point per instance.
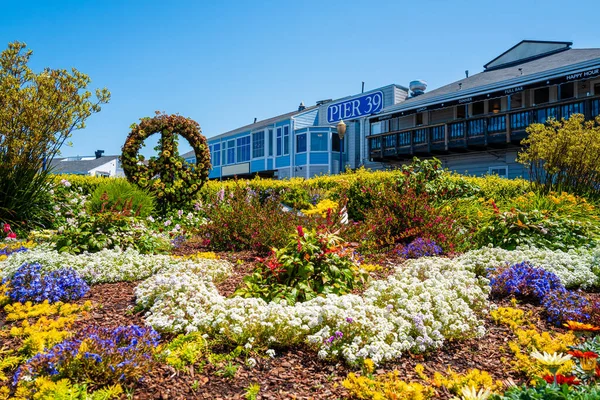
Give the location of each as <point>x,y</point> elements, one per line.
<point>421,247</point>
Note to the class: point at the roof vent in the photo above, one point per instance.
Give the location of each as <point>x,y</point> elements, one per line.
<point>99,153</point>
<point>417,87</point>
<point>301,107</point>
<point>321,102</point>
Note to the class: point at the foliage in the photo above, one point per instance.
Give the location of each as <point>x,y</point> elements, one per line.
<point>109,230</point>
<point>85,184</point>
<point>101,356</point>
<point>242,219</point>
<point>545,391</point>
<point>311,264</point>
<point>322,208</point>
<point>19,311</point>
<point>173,180</point>
<point>420,248</point>
<point>38,114</point>
<point>28,284</point>
<point>563,155</point>
<point>42,334</point>
<point>383,387</point>
<point>184,350</point>
<point>119,196</point>
<point>252,391</point>
<point>509,316</point>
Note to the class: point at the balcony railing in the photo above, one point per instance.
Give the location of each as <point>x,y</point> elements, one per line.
<point>501,128</point>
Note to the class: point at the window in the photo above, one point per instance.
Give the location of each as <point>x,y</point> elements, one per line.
<point>335,142</point>
<point>596,89</point>
<point>566,90</point>
<point>318,141</point>
<point>495,105</point>
<point>243,149</point>
<point>478,108</point>
<point>501,171</point>
<point>231,152</point>
<point>279,143</point>
<point>461,111</point>
<point>216,155</point>
<point>301,143</point>
<point>258,144</point>
<point>541,96</point>
<point>286,140</point>
<point>375,128</point>
<point>270,142</point>
<point>516,100</point>
<point>419,119</point>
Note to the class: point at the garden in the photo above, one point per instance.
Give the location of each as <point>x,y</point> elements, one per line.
<point>412,283</point>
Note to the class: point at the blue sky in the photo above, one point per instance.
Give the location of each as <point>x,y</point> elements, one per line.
<point>223,63</point>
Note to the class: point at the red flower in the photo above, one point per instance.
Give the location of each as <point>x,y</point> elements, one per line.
<point>561,379</point>
<point>12,235</point>
<point>576,353</point>
<point>300,231</point>
<point>6,228</point>
<point>590,354</point>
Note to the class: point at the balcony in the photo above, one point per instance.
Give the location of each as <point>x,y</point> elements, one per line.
<point>490,131</point>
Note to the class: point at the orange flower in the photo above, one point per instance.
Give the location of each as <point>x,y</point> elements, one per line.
<point>579,326</point>
<point>576,353</point>
<point>560,379</point>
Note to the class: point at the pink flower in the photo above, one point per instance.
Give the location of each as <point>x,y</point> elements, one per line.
<point>300,231</point>
<point>12,235</point>
<point>6,228</point>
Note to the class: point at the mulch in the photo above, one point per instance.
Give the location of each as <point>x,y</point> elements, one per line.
<point>294,373</point>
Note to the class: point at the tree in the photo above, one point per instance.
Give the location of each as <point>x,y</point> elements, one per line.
<point>38,113</point>
<point>564,155</point>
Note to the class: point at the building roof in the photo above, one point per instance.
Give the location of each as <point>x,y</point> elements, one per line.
<point>512,75</point>
<point>526,50</point>
<point>65,166</point>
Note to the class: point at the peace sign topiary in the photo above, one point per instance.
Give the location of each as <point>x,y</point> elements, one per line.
<point>169,177</point>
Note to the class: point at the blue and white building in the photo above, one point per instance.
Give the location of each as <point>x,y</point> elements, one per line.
<point>301,143</point>
<point>474,125</point>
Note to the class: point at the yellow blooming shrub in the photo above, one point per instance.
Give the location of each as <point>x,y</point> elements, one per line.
<point>473,378</point>
<point>529,340</point>
<point>42,334</point>
<point>371,267</point>
<point>322,207</point>
<point>4,299</point>
<point>509,316</point>
<point>385,387</point>
<point>18,311</point>
<point>201,255</point>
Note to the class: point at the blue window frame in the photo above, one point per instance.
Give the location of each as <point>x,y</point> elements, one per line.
<point>301,143</point>
<point>286,140</point>
<point>231,152</point>
<point>243,149</point>
<point>215,155</point>
<point>279,141</point>
<point>270,142</point>
<point>258,144</point>
<point>318,141</point>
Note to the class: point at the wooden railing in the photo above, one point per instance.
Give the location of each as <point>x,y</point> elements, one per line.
<point>501,128</point>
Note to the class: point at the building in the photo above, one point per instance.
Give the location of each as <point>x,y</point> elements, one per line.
<point>474,125</point>
<point>98,165</point>
<point>301,143</point>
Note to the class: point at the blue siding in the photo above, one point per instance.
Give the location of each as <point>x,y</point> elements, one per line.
<point>282,161</point>
<point>319,158</point>
<point>308,119</point>
<point>282,123</point>
<point>269,163</point>
<point>257,165</point>
<point>215,173</point>
<point>301,159</point>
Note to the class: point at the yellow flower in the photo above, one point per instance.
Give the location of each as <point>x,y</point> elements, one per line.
<point>470,393</point>
<point>551,361</point>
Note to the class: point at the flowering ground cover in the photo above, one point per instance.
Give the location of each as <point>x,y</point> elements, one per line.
<point>322,304</point>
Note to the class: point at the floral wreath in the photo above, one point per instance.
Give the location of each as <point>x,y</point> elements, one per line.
<point>168,176</point>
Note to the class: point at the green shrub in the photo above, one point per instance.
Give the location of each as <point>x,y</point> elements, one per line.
<point>86,184</point>
<point>312,263</point>
<point>118,195</point>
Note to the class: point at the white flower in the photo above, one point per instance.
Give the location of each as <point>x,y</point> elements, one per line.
<point>150,218</point>
<point>251,362</point>
<point>168,222</point>
<point>271,353</point>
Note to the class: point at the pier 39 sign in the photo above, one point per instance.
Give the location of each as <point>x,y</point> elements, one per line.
<point>358,107</point>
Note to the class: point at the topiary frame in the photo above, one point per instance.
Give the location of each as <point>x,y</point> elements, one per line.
<point>169,177</point>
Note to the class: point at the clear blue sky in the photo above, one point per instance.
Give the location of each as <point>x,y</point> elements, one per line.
<point>222,63</point>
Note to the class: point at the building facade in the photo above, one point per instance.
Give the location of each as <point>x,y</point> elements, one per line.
<point>474,125</point>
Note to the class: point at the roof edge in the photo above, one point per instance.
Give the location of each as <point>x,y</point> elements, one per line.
<point>567,44</point>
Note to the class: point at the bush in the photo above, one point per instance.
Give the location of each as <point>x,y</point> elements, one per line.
<point>100,356</point>
<point>420,248</point>
<point>312,263</point>
<point>28,284</point>
<point>85,184</point>
<point>119,196</point>
<point>563,155</point>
